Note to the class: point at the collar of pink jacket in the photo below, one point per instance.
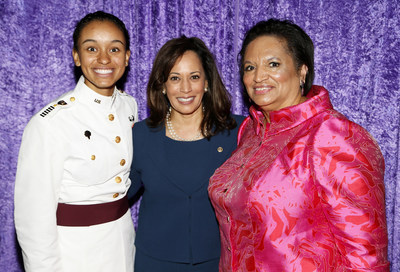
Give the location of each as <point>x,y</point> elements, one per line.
<point>287,118</point>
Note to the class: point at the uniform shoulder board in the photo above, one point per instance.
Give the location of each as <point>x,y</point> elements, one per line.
<point>50,108</point>
<point>47,111</point>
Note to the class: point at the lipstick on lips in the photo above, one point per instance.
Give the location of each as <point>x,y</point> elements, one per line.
<point>262,89</point>
<point>185,100</point>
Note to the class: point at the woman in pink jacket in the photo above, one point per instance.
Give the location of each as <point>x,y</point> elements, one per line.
<point>304,190</point>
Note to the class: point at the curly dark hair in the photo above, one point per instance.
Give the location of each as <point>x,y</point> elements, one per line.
<point>299,44</point>
<point>216,102</point>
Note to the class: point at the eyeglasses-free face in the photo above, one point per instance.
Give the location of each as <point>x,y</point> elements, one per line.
<point>102,56</point>
<point>270,76</point>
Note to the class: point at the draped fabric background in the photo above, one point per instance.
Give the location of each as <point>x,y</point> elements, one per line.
<point>357,56</point>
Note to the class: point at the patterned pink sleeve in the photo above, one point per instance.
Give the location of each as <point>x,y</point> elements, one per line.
<point>348,168</point>
<point>242,128</point>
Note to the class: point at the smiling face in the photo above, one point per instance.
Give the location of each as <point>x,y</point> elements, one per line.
<point>102,56</point>
<point>185,85</point>
<point>270,75</point>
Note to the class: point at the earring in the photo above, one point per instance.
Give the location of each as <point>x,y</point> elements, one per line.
<point>302,88</point>
<point>164,91</point>
<point>205,89</point>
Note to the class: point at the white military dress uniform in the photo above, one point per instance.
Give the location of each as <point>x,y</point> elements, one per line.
<point>77,150</point>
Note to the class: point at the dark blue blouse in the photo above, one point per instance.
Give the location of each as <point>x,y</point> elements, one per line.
<point>176,220</point>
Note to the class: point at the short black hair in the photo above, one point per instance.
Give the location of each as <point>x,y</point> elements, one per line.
<point>299,44</point>
<point>99,16</point>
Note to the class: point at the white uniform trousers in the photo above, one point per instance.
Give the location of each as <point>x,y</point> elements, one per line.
<point>107,247</point>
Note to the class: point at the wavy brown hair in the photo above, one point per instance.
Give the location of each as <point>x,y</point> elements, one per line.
<point>216,102</point>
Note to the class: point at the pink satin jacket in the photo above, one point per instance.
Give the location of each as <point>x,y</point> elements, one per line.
<point>303,193</point>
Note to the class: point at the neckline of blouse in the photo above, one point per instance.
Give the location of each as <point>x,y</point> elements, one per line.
<point>287,118</point>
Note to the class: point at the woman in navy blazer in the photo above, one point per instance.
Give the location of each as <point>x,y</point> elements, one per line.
<point>189,133</point>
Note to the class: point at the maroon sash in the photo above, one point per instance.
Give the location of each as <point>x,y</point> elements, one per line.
<point>87,215</point>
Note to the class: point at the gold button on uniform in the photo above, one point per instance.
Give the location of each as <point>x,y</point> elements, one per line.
<point>111,117</point>
<point>118,179</point>
<point>122,162</point>
<point>117,139</point>
<point>228,219</point>
<point>220,149</point>
<point>115,195</point>
<point>72,99</point>
<point>93,157</point>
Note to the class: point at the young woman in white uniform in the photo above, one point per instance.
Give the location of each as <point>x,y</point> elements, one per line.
<point>71,211</point>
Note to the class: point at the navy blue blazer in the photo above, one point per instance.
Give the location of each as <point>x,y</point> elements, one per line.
<point>175,225</point>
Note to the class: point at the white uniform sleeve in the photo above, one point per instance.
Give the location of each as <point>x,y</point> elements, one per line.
<point>39,173</point>
<point>135,109</point>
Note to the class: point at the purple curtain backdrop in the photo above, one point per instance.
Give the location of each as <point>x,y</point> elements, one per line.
<point>357,56</point>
